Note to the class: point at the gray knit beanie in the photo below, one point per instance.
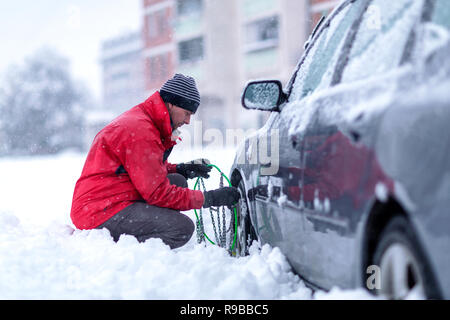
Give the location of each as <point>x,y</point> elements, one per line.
<point>182,92</point>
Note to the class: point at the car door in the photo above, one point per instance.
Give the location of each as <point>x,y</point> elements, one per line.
<point>286,187</point>
<point>266,147</point>
<point>341,173</point>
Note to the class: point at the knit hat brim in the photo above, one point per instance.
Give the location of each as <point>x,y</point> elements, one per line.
<point>181,91</point>
<point>179,101</point>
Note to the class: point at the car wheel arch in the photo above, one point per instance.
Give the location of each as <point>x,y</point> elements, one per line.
<point>378,218</point>
<point>236,177</point>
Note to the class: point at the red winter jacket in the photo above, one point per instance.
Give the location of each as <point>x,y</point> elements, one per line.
<point>136,140</point>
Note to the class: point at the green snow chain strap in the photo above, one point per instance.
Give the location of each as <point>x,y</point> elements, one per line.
<point>220,232</point>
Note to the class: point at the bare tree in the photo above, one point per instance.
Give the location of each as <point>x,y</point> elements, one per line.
<point>41,107</point>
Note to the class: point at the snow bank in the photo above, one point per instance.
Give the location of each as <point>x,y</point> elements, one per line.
<point>57,262</point>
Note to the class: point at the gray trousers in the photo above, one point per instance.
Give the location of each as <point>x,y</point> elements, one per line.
<point>144,221</point>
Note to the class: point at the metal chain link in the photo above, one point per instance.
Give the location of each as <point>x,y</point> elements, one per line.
<point>231,231</point>
<point>220,232</point>
<point>212,216</point>
<point>200,229</point>
<point>223,231</point>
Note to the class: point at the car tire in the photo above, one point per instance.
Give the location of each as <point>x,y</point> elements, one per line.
<point>404,272</point>
<point>245,232</point>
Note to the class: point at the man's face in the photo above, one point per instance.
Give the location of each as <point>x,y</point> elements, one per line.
<point>178,116</point>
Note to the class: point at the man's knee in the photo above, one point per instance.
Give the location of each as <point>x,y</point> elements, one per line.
<point>189,227</point>
<point>185,230</point>
<point>177,180</point>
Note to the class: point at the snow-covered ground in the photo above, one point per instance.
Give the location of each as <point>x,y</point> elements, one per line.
<point>42,257</point>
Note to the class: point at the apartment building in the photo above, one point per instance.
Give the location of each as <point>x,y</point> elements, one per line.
<point>123,81</point>
<point>158,46</point>
<point>206,35</point>
<point>223,45</point>
<point>272,36</point>
<point>122,72</point>
<point>196,38</point>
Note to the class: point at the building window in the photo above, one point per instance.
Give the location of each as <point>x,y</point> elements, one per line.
<point>262,34</point>
<point>188,7</point>
<point>254,8</point>
<point>158,24</point>
<point>159,67</point>
<point>191,50</point>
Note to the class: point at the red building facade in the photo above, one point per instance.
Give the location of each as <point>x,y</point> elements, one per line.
<point>161,51</point>
<point>321,8</point>
<point>158,42</point>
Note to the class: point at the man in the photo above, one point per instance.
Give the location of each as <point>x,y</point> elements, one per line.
<point>128,187</point>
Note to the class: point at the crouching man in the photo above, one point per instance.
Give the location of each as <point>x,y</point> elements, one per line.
<point>128,187</point>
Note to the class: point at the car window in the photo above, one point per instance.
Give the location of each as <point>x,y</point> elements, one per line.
<point>317,69</point>
<point>441,13</point>
<point>381,38</point>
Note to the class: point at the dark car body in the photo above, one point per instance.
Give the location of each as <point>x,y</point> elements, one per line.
<point>360,134</point>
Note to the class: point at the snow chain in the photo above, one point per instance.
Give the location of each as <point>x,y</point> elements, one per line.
<point>220,232</point>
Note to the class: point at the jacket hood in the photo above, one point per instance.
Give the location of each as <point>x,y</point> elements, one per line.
<point>156,110</point>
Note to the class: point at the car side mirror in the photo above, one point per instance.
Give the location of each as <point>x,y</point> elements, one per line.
<point>265,95</point>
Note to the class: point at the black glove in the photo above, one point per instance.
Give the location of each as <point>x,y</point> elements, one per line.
<point>194,169</point>
<point>227,196</point>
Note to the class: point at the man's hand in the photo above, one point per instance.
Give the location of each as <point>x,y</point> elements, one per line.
<point>227,196</point>
<point>194,169</point>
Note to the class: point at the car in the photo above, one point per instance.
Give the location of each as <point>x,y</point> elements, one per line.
<point>350,175</point>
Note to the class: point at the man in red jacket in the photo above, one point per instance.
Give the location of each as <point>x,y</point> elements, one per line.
<point>128,187</point>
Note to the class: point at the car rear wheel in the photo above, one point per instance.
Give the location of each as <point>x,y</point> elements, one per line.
<point>404,272</point>
<point>245,231</point>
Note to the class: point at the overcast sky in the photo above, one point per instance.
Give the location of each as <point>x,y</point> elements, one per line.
<point>74,28</point>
